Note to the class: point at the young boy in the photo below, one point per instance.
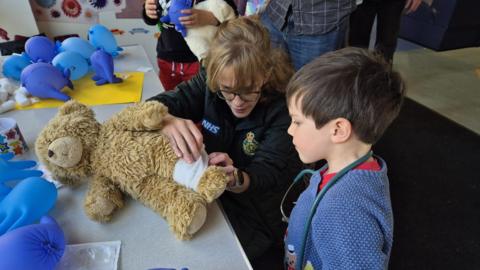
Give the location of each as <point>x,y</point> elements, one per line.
<point>340,104</point>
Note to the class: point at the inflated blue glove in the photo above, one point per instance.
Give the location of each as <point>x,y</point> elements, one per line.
<point>26,203</point>
<point>33,247</point>
<point>14,170</point>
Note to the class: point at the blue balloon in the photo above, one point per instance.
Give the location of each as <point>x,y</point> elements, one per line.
<point>45,81</point>
<point>40,49</point>
<point>101,38</point>
<point>14,170</point>
<point>78,45</point>
<point>73,61</point>
<point>29,200</point>
<point>33,247</point>
<point>14,64</point>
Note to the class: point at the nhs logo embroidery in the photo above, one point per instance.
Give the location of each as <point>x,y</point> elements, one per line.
<point>210,127</point>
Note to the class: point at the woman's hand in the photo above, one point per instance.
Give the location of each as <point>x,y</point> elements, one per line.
<point>219,159</point>
<point>224,161</point>
<point>151,9</point>
<point>184,136</point>
<point>197,17</point>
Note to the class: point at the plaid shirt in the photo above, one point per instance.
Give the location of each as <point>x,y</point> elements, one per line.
<point>314,17</point>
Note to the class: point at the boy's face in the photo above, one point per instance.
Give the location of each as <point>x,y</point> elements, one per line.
<point>311,143</point>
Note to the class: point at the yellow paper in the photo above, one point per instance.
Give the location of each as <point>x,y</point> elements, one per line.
<point>86,92</point>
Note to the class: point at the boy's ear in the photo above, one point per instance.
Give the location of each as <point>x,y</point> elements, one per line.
<point>341,130</point>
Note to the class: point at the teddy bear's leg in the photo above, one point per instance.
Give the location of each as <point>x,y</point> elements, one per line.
<point>102,199</point>
<point>139,117</point>
<point>212,183</point>
<point>183,208</point>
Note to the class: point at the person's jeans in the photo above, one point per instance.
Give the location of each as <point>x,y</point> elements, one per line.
<point>389,13</point>
<point>304,48</point>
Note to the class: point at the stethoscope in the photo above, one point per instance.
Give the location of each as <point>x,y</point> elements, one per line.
<point>318,198</point>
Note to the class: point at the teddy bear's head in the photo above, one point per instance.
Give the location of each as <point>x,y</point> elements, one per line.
<point>65,144</point>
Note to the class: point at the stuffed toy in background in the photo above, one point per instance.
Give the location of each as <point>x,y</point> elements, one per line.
<point>128,155</point>
<point>175,12</point>
<point>199,38</point>
<point>43,80</point>
<point>102,38</point>
<point>102,64</point>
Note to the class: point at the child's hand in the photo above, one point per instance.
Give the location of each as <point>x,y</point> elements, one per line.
<point>412,5</point>
<point>151,9</point>
<point>197,17</point>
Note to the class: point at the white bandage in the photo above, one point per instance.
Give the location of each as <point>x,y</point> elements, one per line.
<point>189,174</point>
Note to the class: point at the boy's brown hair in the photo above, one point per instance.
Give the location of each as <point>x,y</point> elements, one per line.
<point>351,83</point>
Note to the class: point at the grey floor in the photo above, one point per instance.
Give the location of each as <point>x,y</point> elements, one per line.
<point>447,82</point>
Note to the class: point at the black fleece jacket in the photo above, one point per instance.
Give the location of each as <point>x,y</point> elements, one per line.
<point>254,214</point>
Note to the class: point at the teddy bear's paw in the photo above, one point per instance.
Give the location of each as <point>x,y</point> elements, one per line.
<point>100,209</point>
<point>212,183</point>
<point>153,115</point>
<point>69,181</point>
<point>183,227</point>
<point>198,219</point>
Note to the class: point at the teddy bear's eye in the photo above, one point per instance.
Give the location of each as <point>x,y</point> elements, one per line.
<point>50,153</point>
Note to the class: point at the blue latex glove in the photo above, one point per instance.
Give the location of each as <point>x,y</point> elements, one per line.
<point>14,170</point>
<point>26,203</point>
<point>33,247</point>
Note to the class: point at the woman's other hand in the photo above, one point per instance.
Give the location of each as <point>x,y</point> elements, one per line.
<point>224,161</point>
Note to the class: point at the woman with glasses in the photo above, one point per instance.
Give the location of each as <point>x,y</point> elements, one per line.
<point>239,100</point>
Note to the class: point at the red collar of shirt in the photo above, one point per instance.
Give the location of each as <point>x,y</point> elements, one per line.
<point>367,165</point>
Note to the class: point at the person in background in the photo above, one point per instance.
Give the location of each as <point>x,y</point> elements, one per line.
<point>307,29</point>
<point>239,99</point>
<point>388,14</point>
<point>176,62</point>
<point>341,103</point>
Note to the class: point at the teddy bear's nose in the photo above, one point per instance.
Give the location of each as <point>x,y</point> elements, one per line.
<point>50,153</point>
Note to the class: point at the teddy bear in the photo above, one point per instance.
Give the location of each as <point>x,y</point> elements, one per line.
<point>128,155</point>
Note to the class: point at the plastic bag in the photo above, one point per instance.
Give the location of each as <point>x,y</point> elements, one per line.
<point>98,256</point>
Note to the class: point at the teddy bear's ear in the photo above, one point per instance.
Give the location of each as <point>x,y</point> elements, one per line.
<point>74,106</point>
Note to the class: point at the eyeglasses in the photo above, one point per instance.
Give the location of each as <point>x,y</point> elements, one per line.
<point>246,97</point>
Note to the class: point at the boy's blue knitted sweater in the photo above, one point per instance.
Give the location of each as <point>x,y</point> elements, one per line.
<point>352,227</point>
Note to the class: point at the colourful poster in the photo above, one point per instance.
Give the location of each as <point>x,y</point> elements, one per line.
<point>10,25</point>
<point>74,11</point>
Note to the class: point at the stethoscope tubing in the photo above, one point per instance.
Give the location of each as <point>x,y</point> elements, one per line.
<point>318,198</point>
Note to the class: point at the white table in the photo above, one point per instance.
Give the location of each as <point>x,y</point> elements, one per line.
<point>146,239</point>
